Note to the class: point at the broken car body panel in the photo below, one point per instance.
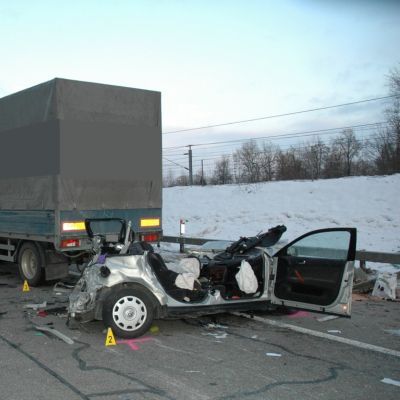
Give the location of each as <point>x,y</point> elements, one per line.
<point>316,271</point>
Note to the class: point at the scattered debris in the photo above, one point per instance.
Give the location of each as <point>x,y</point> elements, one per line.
<point>36,306</point>
<point>62,285</point>
<point>154,329</point>
<point>192,372</point>
<point>55,309</point>
<point>390,381</point>
<point>364,286</point>
<point>54,332</point>
<point>215,326</point>
<point>254,337</point>
<point>393,331</point>
<point>385,286</point>
<point>62,288</point>
<point>42,313</point>
<point>360,296</point>
<point>273,354</point>
<point>217,335</point>
<point>334,331</point>
<point>327,318</point>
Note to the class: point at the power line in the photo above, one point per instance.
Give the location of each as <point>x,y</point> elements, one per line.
<point>206,156</point>
<point>281,115</point>
<point>173,162</point>
<point>211,160</point>
<point>284,135</point>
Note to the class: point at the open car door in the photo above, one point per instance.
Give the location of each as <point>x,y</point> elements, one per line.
<point>315,271</point>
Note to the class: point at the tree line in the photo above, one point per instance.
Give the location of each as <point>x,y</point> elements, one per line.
<point>345,155</point>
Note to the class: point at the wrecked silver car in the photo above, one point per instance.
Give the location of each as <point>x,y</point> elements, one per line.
<point>127,284</point>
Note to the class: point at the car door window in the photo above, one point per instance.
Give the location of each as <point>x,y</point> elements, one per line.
<point>333,245</point>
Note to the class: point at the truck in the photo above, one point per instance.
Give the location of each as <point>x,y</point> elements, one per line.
<point>72,150</point>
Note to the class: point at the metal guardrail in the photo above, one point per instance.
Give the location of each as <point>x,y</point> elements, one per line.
<point>361,255</point>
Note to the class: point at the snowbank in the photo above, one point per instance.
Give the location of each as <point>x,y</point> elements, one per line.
<point>371,204</point>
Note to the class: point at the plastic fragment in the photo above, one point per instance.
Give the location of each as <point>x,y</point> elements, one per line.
<point>217,335</point>
<point>218,326</point>
<point>42,314</point>
<point>327,318</point>
<point>273,354</point>
<point>36,306</point>
<point>54,332</point>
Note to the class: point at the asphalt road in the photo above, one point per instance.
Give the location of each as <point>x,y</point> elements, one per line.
<point>213,357</point>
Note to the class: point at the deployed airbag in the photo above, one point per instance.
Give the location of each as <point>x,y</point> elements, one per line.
<point>246,279</point>
<point>185,281</point>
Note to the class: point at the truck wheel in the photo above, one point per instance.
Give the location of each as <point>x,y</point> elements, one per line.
<point>30,264</point>
<point>129,311</point>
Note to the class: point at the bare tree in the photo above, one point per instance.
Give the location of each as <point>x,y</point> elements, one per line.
<point>168,179</point>
<point>393,115</point>
<point>222,172</point>
<point>349,148</point>
<point>247,162</point>
<point>289,165</point>
<point>199,178</point>
<point>314,154</point>
<point>267,160</point>
<point>182,180</point>
<point>383,149</point>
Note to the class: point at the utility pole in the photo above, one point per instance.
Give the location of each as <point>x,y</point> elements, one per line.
<point>189,153</point>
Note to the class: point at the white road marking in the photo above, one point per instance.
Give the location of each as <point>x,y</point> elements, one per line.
<point>390,381</point>
<point>324,335</point>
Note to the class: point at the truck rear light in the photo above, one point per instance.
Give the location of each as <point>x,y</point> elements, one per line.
<point>149,222</point>
<point>150,237</point>
<point>67,243</point>
<point>69,226</point>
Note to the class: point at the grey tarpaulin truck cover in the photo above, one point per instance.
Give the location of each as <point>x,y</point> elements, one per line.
<point>73,150</point>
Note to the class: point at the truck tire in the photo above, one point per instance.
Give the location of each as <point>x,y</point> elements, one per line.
<point>31,264</point>
<point>129,311</point>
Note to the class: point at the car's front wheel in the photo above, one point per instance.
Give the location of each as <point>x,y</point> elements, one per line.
<point>129,311</point>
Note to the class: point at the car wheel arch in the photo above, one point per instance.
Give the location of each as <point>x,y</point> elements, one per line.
<point>105,292</point>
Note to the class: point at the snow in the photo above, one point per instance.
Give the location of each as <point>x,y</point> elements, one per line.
<point>371,204</point>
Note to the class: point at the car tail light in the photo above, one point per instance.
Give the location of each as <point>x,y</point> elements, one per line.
<point>150,237</point>
<point>69,226</point>
<point>67,243</point>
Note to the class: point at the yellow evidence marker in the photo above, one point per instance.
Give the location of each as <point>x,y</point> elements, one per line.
<point>110,339</point>
<point>25,286</point>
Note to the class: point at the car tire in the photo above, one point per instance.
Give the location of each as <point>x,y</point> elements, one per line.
<point>129,311</point>
<point>31,264</point>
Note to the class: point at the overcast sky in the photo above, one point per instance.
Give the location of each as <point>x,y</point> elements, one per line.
<point>214,61</point>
